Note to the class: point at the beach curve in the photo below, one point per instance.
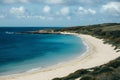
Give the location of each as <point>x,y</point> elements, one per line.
<point>98,54</point>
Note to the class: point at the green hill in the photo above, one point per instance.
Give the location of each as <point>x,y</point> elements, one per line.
<point>109,71</point>
<point>110,32</point>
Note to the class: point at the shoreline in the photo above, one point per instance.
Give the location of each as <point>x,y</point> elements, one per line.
<point>88,59</point>
<point>59,63</point>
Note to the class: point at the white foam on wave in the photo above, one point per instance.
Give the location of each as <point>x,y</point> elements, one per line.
<point>87,48</point>
<point>34,69</point>
<point>84,42</point>
<point>9,32</point>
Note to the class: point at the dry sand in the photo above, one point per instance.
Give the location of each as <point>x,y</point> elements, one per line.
<point>98,54</point>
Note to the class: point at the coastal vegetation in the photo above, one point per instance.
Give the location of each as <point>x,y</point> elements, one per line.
<point>109,32</point>
<point>109,71</point>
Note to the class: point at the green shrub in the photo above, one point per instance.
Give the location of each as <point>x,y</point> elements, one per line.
<point>87,77</point>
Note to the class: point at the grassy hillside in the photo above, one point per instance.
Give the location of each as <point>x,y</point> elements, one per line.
<point>109,71</point>
<point>110,32</point>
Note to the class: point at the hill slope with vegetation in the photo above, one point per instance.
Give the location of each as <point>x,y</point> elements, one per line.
<point>109,32</point>
<point>109,71</point>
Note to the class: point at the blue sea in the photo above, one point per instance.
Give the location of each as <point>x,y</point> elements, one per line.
<point>26,52</point>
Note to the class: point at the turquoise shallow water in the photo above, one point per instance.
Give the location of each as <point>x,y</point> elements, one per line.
<point>26,52</point>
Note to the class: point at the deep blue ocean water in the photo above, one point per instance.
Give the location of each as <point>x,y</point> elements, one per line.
<point>25,52</point>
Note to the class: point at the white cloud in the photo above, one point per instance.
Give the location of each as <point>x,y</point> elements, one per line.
<point>41,17</point>
<point>15,1</point>
<point>32,1</point>
<point>47,9</point>
<point>25,1</point>
<point>65,11</point>
<point>18,10</point>
<point>92,11</point>
<point>54,1</point>
<point>111,7</point>
<point>83,11</point>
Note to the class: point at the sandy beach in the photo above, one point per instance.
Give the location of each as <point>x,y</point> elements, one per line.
<point>98,54</point>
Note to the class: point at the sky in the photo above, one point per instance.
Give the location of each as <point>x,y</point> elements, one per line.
<point>55,13</point>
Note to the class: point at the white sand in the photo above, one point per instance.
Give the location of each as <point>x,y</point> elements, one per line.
<point>98,54</point>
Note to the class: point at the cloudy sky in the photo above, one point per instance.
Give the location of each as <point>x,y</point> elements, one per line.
<point>58,12</point>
